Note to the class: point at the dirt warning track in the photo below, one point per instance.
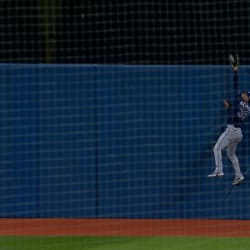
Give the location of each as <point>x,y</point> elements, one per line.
<point>124,227</point>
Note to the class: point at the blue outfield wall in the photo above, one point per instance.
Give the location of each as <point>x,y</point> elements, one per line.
<point>117,141</point>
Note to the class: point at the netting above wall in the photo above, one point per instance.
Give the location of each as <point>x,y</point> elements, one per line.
<point>124,32</point>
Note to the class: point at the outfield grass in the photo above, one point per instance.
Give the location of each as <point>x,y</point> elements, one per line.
<point>123,243</point>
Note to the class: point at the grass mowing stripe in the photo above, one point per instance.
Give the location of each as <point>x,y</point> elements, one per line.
<point>123,243</point>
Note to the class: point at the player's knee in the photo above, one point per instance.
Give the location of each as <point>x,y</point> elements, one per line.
<point>215,149</point>
<point>231,156</point>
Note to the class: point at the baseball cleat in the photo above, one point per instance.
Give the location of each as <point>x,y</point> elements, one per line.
<point>238,180</point>
<point>216,173</point>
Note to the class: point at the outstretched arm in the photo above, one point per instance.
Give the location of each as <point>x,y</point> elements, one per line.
<point>236,82</point>
<point>236,90</point>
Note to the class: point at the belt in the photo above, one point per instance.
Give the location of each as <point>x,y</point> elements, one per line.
<point>234,125</point>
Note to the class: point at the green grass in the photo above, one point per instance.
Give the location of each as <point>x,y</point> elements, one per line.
<point>123,243</point>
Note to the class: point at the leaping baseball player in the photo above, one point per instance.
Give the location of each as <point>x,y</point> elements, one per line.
<point>237,112</point>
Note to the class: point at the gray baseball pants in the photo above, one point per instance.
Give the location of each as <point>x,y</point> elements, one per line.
<point>229,139</point>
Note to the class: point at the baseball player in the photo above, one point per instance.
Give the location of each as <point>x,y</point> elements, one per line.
<point>237,112</point>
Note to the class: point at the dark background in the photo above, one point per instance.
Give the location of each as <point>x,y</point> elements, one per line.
<point>124,32</point>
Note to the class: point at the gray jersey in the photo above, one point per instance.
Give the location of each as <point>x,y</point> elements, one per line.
<point>243,112</point>
<point>239,110</point>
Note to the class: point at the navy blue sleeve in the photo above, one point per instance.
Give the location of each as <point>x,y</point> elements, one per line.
<point>236,93</point>
<point>236,83</point>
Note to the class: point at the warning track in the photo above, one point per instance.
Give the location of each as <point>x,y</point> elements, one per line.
<point>124,227</point>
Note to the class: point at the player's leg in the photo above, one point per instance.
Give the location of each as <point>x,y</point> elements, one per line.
<point>231,153</point>
<point>221,143</point>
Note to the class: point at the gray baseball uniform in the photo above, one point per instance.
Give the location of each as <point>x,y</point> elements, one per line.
<point>232,136</point>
